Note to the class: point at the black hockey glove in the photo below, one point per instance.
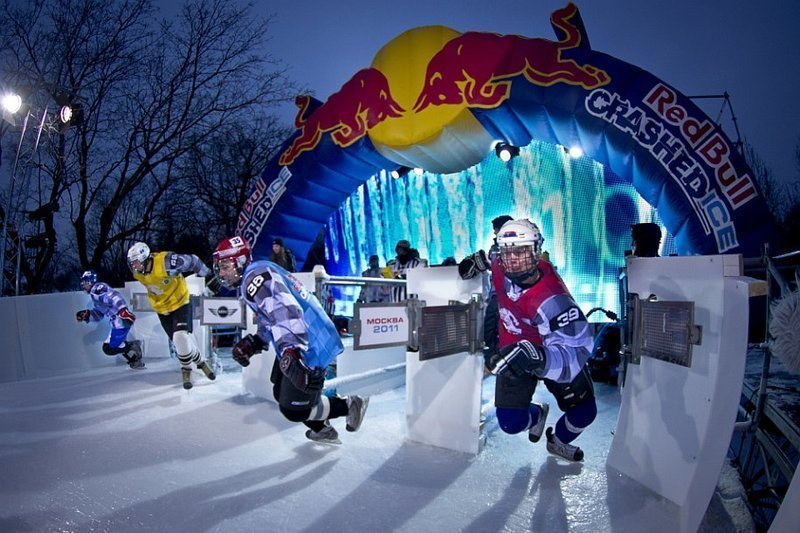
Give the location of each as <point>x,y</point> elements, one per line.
<point>521,359</point>
<point>246,348</point>
<point>214,285</point>
<point>316,380</point>
<point>83,315</point>
<point>470,266</point>
<point>298,373</point>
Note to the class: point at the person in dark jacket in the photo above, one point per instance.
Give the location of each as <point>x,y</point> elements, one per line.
<point>283,256</point>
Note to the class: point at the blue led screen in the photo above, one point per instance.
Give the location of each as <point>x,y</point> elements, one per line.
<point>583,210</point>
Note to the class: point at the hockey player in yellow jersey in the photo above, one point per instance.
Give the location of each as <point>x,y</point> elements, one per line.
<point>160,273</point>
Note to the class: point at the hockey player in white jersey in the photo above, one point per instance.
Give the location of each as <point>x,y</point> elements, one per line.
<point>109,303</point>
<point>303,336</point>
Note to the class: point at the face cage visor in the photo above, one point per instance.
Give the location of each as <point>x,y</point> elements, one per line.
<point>520,262</point>
<point>137,266</point>
<point>229,271</point>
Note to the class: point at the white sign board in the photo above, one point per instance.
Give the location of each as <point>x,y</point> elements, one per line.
<point>382,325</point>
<point>218,311</point>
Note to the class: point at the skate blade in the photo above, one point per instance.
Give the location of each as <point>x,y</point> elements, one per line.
<point>335,442</point>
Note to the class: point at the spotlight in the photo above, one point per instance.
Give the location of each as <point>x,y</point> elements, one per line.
<point>506,151</point>
<point>399,172</point>
<point>575,152</point>
<point>65,114</point>
<point>418,171</point>
<point>70,115</point>
<point>12,102</point>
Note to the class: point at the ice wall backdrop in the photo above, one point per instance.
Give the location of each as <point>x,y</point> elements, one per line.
<point>584,211</point>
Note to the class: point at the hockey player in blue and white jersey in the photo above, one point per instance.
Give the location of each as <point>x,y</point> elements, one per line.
<point>303,336</point>
<point>108,302</point>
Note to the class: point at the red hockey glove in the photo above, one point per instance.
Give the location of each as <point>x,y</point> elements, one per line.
<point>127,317</point>
<point>83,315</point>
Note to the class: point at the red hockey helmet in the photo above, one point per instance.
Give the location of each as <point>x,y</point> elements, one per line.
<point>230,259</point>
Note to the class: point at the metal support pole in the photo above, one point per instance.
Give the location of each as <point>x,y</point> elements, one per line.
<point>7,213</point>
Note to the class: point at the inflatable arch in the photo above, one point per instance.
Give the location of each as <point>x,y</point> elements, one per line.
<point>438,99</point>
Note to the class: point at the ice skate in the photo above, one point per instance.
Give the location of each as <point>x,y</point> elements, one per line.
<point>356,407</point>
<point>135,355</point>
<point>535,431</point>
<point>567,451</point>
<point>136,362</point>
<point>326,435</point>
<point>186,373</point>
<point>207,371</point>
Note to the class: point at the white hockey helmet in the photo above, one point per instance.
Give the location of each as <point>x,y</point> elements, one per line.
<point>520,243</point>
<point>138,254</point>
<point>230,259</point>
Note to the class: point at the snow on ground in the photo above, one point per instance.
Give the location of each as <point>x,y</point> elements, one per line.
<point>121,450</point>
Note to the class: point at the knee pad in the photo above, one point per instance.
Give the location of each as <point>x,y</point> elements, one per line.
<point>513,420</point>
<point>570,395</point>
<point>579,417</point>
<point>321,409</point>
<point>184,342</point>
<point>295,416</point>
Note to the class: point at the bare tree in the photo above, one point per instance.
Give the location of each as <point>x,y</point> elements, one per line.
<point>153,94</point>
<point>773,190</point>
<point>220,173</point>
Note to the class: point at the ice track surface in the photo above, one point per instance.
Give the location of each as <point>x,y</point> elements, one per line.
<point>121,450</point>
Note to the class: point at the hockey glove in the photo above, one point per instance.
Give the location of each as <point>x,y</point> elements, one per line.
<point>297,372</point>
<point>127,317</point>
<point>214,285</point>
<point>316,380</point>
<point>83,315</point>
<point>521,359</point>
<point>246,348</point>
<point>472,265</point>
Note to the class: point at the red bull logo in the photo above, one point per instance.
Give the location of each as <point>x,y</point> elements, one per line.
<point>437,80</point>
<point>363,102</point>
<point>474,68</point>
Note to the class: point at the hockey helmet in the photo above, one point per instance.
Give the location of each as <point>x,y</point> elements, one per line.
<point>138,254</point>
<point>88,279</point>
<point>231,257</point>
<point>520,243</point>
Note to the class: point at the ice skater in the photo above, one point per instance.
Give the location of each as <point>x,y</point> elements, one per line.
<point>160,273</point>
<point>545,336</point>
<point>303,336</point>
<point>109,303</point>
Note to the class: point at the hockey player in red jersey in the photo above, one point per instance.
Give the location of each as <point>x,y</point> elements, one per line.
<point>545,336</point>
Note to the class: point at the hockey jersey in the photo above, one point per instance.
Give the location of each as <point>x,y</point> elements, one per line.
<point>288,314</point>
<point>547,315</point>
<point>106,302</point>
<point>166,287</point>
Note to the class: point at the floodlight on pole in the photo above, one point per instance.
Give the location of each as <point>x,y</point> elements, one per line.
<point>65,114</point>
<point>12,102</point>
